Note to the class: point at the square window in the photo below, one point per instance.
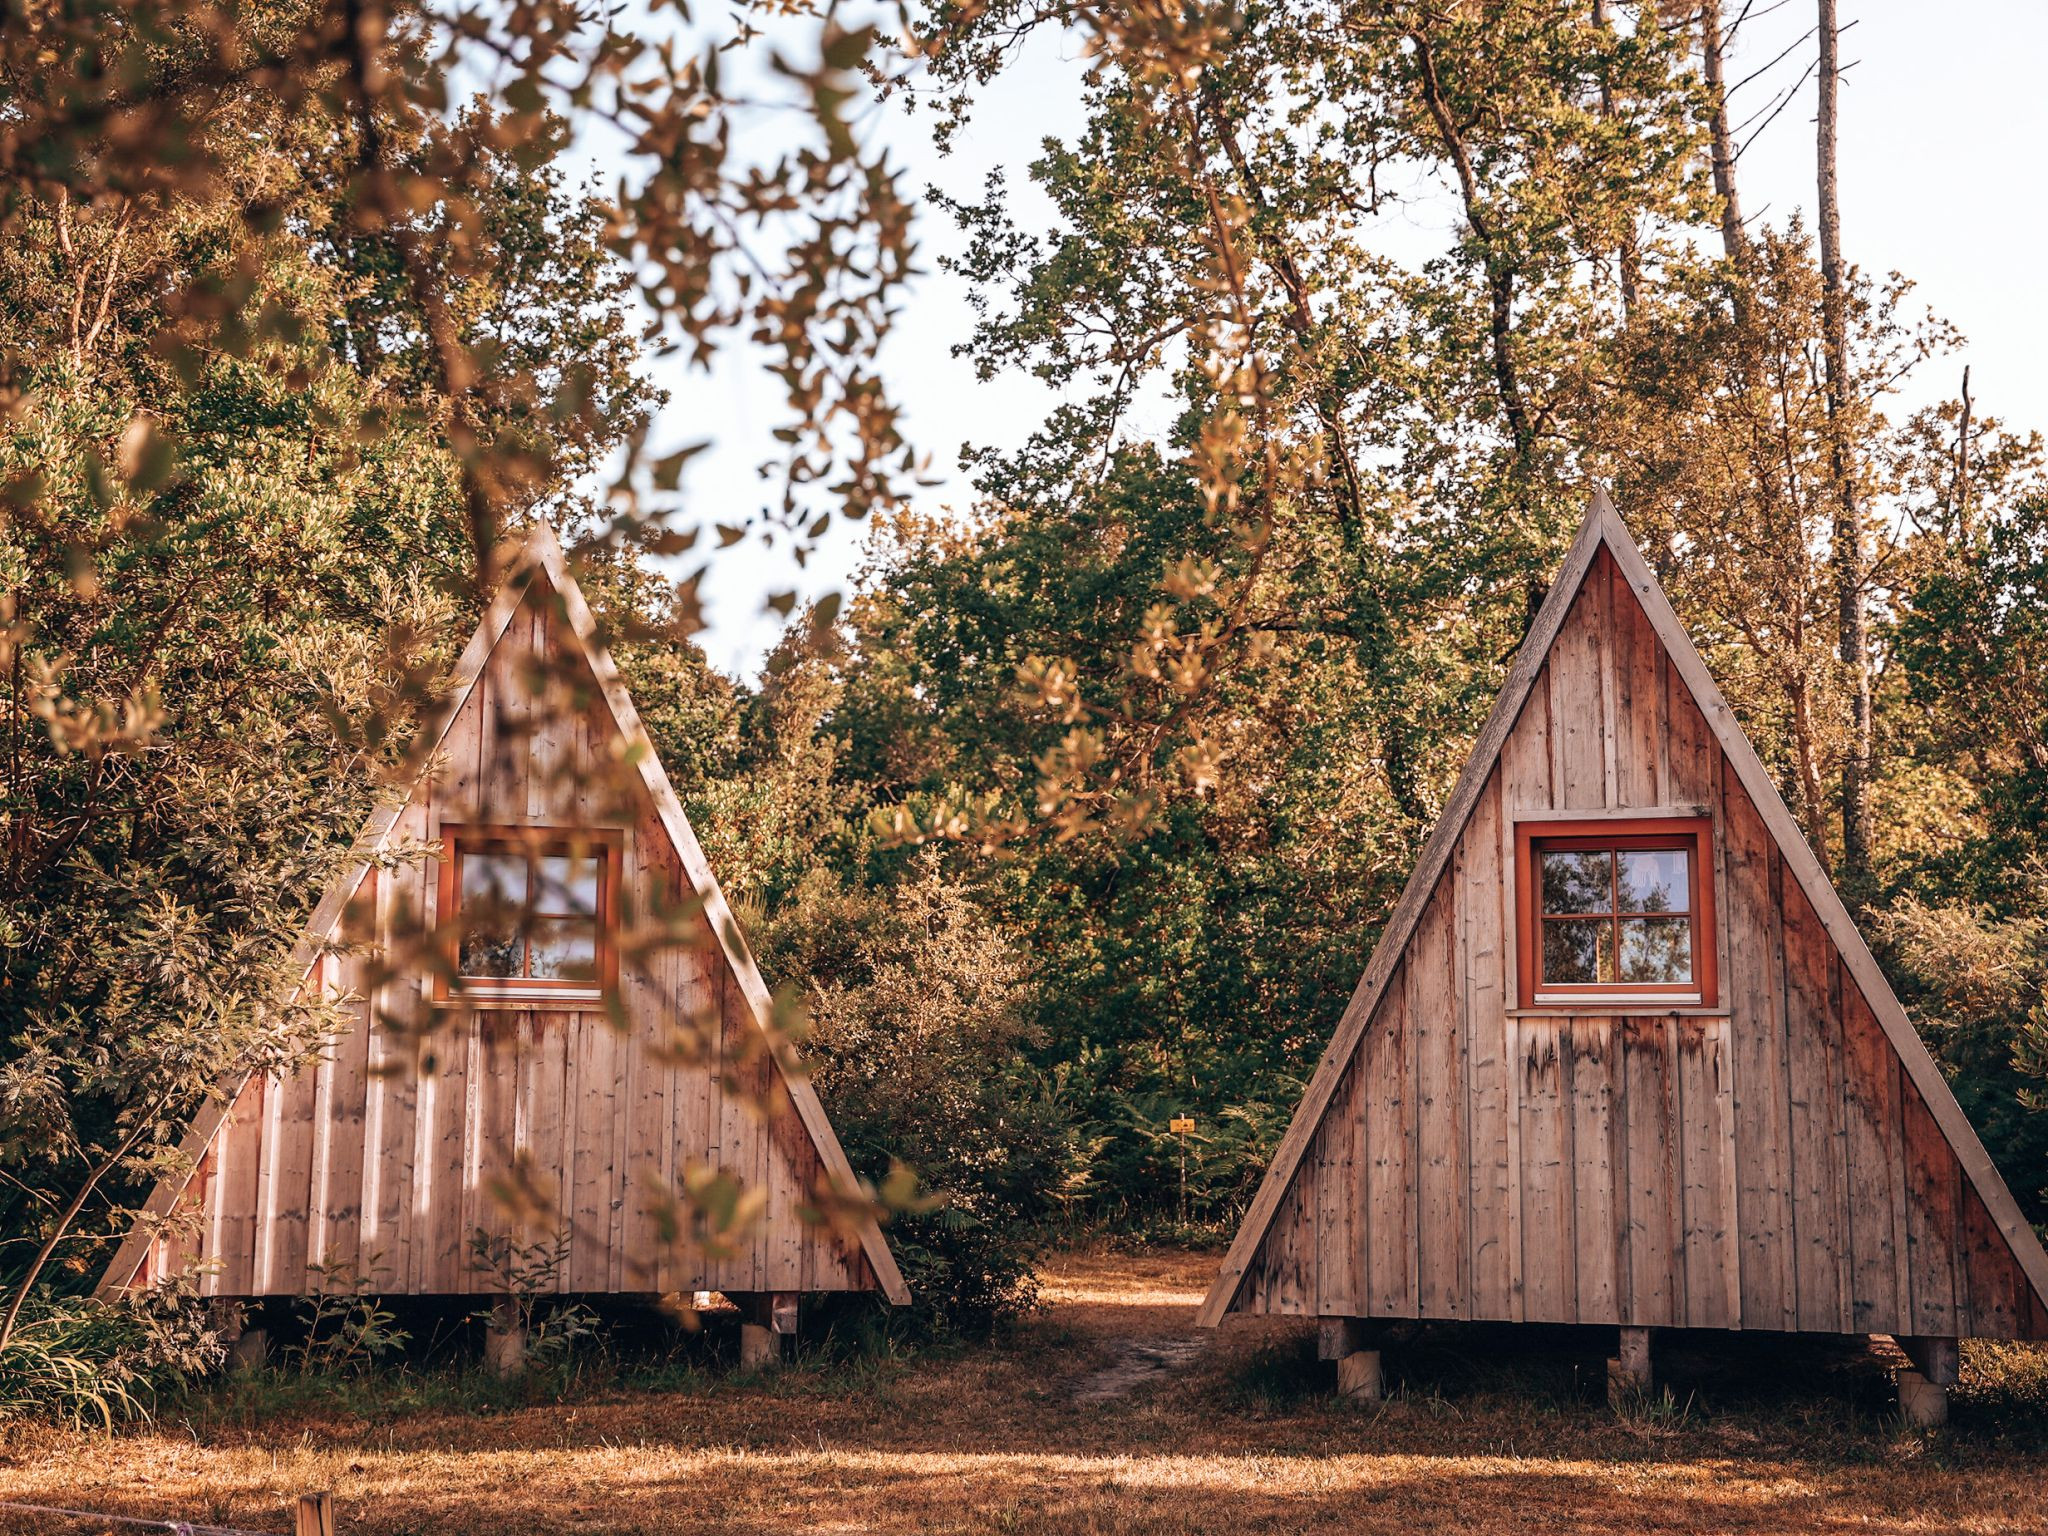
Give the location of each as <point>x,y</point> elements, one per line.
<point>1618,911</point>
<point>529,914</point>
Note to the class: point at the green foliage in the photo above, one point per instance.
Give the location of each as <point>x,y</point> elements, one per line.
<point>342,1326</point>
<point>916,1005</point>
<point>527,1275</point>
<point>91,1363</point>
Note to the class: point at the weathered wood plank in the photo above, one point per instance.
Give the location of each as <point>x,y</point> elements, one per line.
<point>1762,1096</point>
<point>240,1182</point>
<point>590,1143</point>
<point>1690,753</point>
<point>1336,1215</point>
<point>292,1190</point>
<point>1819,1154</point>
<point>1874,1122</point>
<point>1388,1086</point>
<point>345,1129</point>
<point>1655,1295</point>
<point>1598,1168</point>
<point>1578,717</point>
<point>1482,990</point>
<point>1996,1287</point>
<point>1443,1179</point>
<point>1637,697</point>
<point>1549,1239</point>
<point>1712,1269</point>
<point>1933,1222</point>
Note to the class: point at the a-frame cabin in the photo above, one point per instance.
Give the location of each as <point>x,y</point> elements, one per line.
<point>550,1058</point>
<point>1621,1056</point>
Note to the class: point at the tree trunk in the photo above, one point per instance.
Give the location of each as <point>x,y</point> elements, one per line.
<point>1850,553</point>
<point>1628,259</point>
<point>1720,138</point>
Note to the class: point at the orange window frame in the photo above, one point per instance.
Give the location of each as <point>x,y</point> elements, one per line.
<point>607,845</point>
<point>1693,834</point>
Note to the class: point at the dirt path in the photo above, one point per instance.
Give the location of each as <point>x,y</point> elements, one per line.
<point>1144,1320</point>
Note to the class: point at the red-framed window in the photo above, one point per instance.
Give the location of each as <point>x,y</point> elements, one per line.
<point>1616,911</point>
<point>529,914</point>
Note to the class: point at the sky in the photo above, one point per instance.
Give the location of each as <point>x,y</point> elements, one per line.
<point>1942,122</point>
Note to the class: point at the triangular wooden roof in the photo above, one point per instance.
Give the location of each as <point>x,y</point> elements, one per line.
<point>541,554</point>
<point>1603,527</point>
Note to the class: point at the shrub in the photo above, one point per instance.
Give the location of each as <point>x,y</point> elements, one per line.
<point>918,1017</point>
<point>83,1362</point>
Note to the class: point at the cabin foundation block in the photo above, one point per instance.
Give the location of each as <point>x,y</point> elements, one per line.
<point>1629,1371</point>
<point>248,1348</point>
<point>1346,1340</point>
<point>505,1339</point>
<point>770,1326</point>
<point>1922,1403</point>
<point>1358,1376</point>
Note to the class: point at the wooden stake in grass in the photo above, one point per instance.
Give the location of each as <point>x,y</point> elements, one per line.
<point>314,1516</point>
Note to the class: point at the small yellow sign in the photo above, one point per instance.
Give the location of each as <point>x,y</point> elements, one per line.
<point>1182,1125</point>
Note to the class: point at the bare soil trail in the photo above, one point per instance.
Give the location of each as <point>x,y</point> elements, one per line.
<point>1104,1413</point>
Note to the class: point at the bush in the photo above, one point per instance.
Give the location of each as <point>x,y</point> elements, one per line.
<point>83,1362</point>
<point>918,1017</point>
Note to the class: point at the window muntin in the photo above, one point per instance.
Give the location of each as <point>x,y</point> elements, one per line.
<point>1616,910</point>
<point>529,911</point>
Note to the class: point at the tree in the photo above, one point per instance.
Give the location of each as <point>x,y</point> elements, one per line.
<point>1851,557</point>
<point>284,317</point>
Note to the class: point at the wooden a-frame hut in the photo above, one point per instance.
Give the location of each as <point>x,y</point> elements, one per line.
<point>362,1170</point>
<point>1621,1056</point>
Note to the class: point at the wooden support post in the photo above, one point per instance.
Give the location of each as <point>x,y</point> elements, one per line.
<point>1934,1356</point>
<point>314,1516</point>
<point>1629,1371</point>
<point>505,1339</point>
<point>1344,1340</point>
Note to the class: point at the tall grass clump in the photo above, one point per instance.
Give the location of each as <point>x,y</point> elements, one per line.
<point>93,1364</point>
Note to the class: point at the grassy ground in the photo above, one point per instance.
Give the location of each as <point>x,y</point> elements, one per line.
<point>1100,1415</point>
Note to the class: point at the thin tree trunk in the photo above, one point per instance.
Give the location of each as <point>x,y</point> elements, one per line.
<point>57,1233</point>
<point>1720,138</point>
<point>1850,553</point>
<point>1627,258</point>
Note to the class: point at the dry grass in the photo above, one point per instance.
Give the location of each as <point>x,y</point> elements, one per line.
<point>1487,1433</point>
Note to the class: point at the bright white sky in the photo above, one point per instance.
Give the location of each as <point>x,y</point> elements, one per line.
<point>1943,119</point>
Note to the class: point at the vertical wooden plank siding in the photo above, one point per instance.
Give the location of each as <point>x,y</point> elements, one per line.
<point>1655,1280</point>
<point>1579,705</point>
<point>1490,1209</point>
<point>1762,1096</point>
<point>1549,1236</point>
<point>1388,1086</point>
<point>1706,1131</point>
<point>1443,1179</point>
<point>1597,1168</point>
<point>1933,1220</point>
<point>1637,689</point>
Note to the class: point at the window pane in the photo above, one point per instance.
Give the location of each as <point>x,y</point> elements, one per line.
<point>1578,882</point>
<point>568,883</point>
<point>491,879</point>
<point>1578,950</point>
<point>1654,880</point>
<point>1656,949</point>
<point>491,951</point>
<point>565,950</point>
